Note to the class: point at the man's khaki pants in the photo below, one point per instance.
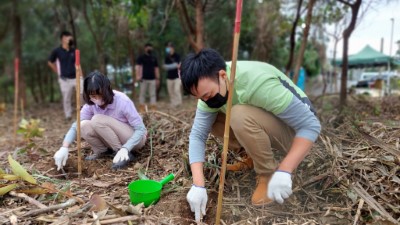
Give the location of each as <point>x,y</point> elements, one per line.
<point>148,86</point>
<point>67,87</point>
<point>258,132</point>
<point>103,132</point>
<point>174,91</point>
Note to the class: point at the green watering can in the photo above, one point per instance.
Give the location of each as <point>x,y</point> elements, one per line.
<point>147,191</point>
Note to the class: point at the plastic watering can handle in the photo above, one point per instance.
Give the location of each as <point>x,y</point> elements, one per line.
<point>167,179</point>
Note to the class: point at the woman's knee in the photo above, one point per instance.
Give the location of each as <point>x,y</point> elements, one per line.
<point>99,118</point>
<point>86,127</point>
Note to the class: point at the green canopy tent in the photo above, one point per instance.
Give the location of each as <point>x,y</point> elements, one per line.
<point>367,57</point>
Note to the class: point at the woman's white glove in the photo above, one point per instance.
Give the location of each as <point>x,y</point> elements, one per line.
<point>197,198</point>
<point>122,155</point>
<point>61,157</point>
<point>280,186</point>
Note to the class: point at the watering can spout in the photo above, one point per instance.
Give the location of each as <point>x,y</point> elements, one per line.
<point>167,179</point>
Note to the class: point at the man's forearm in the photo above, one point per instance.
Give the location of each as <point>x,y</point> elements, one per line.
<point>138,70</point>
<point>197,173</point>
<point>157,72</point>
<point>53,67</point>
<point>298,151</point>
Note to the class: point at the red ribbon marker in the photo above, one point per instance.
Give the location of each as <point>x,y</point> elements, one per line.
<point>77,57</point>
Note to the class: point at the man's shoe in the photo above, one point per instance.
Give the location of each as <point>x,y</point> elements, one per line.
<point>246,164</point>
<point>122,164</point>
<point>260,195</point>
<point>109,153</point>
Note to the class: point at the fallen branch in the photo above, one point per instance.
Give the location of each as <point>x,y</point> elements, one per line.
<point>28,199</point>
<point>64,205</point>
<point>372,202</point>
<point>360,205</point>
<point>116,220</point>
<point>171,117</point>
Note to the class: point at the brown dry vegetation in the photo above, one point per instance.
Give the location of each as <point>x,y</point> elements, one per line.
<point>352,173</point>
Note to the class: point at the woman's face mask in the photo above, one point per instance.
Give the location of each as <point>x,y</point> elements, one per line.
<point>99,102</point>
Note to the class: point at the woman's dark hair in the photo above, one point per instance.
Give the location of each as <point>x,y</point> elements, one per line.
<point>97,84</point>
<point>205,64</point>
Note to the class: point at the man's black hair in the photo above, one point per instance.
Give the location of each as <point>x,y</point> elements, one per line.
<point>205,64</point>
<point>65,33</point>
<point>97,84</point>
<point>148,45</point>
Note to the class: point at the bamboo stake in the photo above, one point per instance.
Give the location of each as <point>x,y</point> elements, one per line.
<point>228,108</point>
<point>78,109</point>
<point>16,87</point>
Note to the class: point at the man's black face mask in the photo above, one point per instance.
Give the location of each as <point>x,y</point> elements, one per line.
<point>218,100</point>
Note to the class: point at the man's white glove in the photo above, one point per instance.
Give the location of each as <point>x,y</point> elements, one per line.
<point>197,198</point>
<point>280,186</point>
<point>122,155</point>
<point>61,157</point>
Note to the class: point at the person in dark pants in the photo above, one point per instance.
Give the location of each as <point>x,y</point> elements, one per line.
<point>148,74</point>
<point>62,62</point>
<point>171,62</point>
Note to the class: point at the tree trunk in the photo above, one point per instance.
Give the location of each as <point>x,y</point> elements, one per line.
<point>32,85</point>
<point>288,67</point>
<point>195,35</point>
<point>51,85</point>
<point>98,42</point>
<point>199,25</point>
<point>132,61</point>
<point>335,89</point>
<point>299,60</point>
<point>266,29</point>
<point>71,21</point>
<point>40,79</point>
<point>355,7</point>
<point>18,50</point>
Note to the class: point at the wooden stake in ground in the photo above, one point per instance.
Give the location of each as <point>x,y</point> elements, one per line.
<point>78,109</point>
<point>228,108</point>
<point>16,87</point>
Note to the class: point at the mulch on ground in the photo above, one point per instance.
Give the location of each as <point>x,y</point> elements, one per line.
<point>352,173</point>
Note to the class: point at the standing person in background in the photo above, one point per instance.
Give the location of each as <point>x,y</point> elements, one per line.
<point>62,62</point>
<point>171,62</point>
<point>148,74</point>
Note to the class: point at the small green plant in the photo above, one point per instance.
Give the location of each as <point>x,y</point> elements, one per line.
<point>30,128</point>
<point>19,173</point>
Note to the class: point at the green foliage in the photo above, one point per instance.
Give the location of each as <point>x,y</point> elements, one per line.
<point>124,26</point>
<point>30,128</point>
<point>19,173</point>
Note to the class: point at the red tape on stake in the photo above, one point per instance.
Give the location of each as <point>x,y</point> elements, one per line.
<point>16,65</point>
<point>238,15</point>
<point>77,57</point>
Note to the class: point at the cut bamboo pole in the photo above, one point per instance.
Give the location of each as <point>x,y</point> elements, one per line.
<point>78,109</point>
<point>228,108</point>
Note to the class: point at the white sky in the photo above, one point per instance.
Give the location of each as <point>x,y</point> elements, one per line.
<point>375,24</point>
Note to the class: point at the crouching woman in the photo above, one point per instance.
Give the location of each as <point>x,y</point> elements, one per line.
<point>110,124</point>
